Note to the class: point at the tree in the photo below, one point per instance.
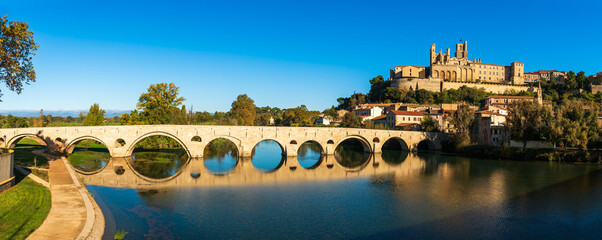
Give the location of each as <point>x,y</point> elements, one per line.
<point>527,120</point>
<point>576,127</point>
<point>350,120</point>
<point>158,102</point>
<point>95,116</point>
<point>429,124</point>
<point>16,48</point>
<point>244,109</point>
<point>377,89</point>
<point>462,121</point>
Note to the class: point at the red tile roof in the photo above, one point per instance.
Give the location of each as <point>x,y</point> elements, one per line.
<point>406,113</point>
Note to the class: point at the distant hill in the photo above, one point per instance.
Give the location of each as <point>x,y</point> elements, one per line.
<point>62,113</point>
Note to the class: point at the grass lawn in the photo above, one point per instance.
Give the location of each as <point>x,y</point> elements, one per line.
<point>23,208</point>
<point>24,157</point>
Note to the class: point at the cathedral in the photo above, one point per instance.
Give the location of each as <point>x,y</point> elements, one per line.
<point>450,72</point>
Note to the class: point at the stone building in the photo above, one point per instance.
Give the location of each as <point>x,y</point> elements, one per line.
<point>451,72</point>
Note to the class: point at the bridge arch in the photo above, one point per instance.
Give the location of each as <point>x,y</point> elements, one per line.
<point>402,143</point>
<point>280,143</point>
<point>425,145</point>
<point>14,140</point>
<point>365,143</point>
<point>237,142</point>
<point>132,145</point>
<point>71,145</point>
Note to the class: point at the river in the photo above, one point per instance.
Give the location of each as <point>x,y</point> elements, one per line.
<point>352,195</point>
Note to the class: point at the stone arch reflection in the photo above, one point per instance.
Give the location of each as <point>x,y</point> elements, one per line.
<point>268,156</point>
<point>351,153</point>
<point>309,154</point>
<point>220,156</point>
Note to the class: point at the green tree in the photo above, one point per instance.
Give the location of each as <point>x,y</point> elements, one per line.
<point>350,120</point>
<point>576,126</point>
<point>527,120</point>
<point>429,124</point>
<point>95,116</point>
<point>462,121</point>
<point>16,48</point>
<point>377,89</point>
<point>244,109</point>
<point>158,102</point>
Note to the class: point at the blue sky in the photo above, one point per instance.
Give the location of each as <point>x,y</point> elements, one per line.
<point>280,53</point>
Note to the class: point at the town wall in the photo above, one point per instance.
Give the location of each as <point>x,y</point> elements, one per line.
<point>7,179</point>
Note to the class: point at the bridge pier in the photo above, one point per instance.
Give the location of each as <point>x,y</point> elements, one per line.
<point>292,162</point>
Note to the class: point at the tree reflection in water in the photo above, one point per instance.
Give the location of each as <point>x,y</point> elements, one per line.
<point>309,154</point>
<point>267,156</point>
<point>159,163</point>
<point>350,153</point>
<point>220,156</point>
<point>89,156</point>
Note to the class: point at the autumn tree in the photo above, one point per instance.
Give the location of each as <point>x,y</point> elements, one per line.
<point>462,121</point>
<point>350,120</point>
<point>244,109</point>
<point>158,103</point>
<point>95,116</point>
<point>16,48</point>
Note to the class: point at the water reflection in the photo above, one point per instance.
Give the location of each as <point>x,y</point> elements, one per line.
<point>309,154</point>
<point>267,156</point>
<point>351,153</point>
<point>89,156</point>
<point>394,157</point>
<point>220,156</point>
<point>423,196</point>
<point>158,164</point>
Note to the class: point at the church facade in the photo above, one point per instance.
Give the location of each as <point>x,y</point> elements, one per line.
<point>451,72</point>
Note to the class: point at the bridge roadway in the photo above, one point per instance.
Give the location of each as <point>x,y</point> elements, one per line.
<point>119,173</point>
<point>121,140</point>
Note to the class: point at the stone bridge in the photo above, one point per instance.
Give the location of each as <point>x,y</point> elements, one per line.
<point>121,140</point>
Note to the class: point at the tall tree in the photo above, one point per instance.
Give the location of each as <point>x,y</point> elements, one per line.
<point>244,109</point>
<point>577,126</point>
<point>462,121</point>
<point>377,89</point>
<point>16,48</point>
<point>158,102</point>
<point>95,116</point>
<point>429,124</point>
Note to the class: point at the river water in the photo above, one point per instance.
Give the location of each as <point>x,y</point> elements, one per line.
<point>353,195</point>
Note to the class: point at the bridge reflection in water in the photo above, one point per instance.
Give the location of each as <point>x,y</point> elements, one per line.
<point>120,172</point>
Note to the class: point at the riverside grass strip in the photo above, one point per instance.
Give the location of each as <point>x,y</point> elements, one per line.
<point>23,208</point>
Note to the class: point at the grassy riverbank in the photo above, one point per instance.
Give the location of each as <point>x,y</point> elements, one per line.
<point>24,157</point>
<point>520,154</point>
<point>23,208</point>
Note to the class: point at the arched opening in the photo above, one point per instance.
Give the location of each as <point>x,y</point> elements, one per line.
<point>376,140</point>
<point>88,155</point>
<point>351,153</point>
<point>196,139</point>
<point>395,143</point>
<point>119,143</point>
<point>195,175</point>
<point>58,140</point>
<point>394,151</point>
<point>119,170</point>
<point>220,156</point>
<point>309,154</point>
<point>293,142</point>
<point>425,146</point>
<point>330,142</point>
<point>158,156</point>
<point>267,156</point>
<point>24,146</point>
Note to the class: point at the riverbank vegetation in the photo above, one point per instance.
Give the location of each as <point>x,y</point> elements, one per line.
<point>24,157</point>
<point>23,208</point>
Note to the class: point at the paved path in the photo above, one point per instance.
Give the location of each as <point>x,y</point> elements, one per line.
<point>72,213</point>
